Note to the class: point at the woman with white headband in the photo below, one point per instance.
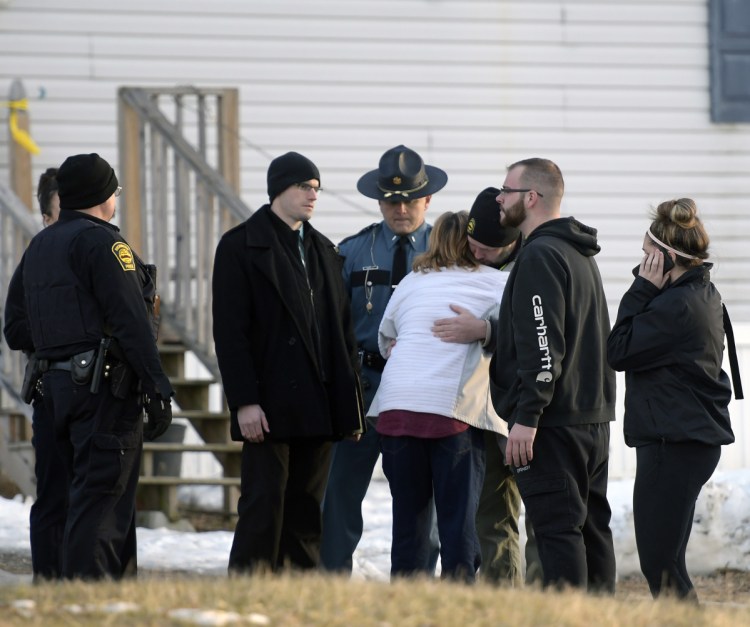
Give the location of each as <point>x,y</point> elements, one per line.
<point>669,340</point>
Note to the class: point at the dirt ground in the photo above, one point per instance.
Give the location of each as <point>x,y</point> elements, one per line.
<point>728,586</point>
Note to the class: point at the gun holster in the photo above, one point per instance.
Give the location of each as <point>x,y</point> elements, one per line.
<point>121,377</point>
<point>30,377</point>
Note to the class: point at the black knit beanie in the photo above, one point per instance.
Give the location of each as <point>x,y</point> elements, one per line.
<point>85,181</point>
<point>287,170</point>
<point>484,221</point>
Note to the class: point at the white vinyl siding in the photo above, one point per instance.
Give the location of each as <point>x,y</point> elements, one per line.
<point>615,91</point>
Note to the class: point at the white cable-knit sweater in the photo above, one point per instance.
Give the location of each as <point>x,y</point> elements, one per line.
<point>425,374</point>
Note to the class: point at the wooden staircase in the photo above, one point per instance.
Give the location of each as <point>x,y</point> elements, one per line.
<point>179,168</point>
<point>157,489</point>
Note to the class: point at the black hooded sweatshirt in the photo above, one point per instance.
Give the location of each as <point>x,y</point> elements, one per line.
<point>550,367</point>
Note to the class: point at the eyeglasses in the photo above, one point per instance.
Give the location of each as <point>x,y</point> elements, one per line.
<point>118,191</point>
<point>308,188</point>
<point>510,190</point>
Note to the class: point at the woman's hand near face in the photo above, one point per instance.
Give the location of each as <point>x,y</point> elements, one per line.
<point>652,268</point>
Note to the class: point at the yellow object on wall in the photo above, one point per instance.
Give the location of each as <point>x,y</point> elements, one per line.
<point>20,136</point>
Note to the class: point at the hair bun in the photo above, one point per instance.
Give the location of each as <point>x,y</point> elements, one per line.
<point>684,213</point>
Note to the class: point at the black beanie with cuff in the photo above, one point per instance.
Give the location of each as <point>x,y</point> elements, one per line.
<point>287,170</point>
<point>484,221</point>
<point>85,181</point>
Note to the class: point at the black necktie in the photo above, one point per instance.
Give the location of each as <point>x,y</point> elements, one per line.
<point>301,247</point>
<point>398,270</point>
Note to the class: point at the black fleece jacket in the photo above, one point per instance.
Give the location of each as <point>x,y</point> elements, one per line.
<point>670,344</point>
<point>550,367</point>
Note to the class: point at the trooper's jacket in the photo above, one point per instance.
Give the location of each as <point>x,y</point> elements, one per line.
<point>368,261</point>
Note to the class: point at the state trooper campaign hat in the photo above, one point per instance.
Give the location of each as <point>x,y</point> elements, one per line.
<point>288,169</point>
<point>403,175</point>
<point>484,221</point>
<point>85,181</point>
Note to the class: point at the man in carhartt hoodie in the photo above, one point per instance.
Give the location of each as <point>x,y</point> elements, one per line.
<point>550,380</point>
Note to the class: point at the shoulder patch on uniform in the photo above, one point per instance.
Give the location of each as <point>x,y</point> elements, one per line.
<point>367,229</point>
<point>124,255</point>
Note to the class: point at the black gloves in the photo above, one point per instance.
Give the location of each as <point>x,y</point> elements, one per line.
<point>159,412</point>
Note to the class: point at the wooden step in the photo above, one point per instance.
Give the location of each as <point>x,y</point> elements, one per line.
<point>172,359</point>
<point>178,481</point>
<point>21,446</point>
<point>191,394</point>
<point>197,447</point>
<point>169,348</point>
<point>227,454</point>
<point>188,381</point>
<point>200,414</point>
<point>161,492</point>
<point>184,382</point>
<point>212,427</point>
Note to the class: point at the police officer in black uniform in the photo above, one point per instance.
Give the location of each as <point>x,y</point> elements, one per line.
<point>88,300</point>
<point>403,186</point>
<point>49,511</point>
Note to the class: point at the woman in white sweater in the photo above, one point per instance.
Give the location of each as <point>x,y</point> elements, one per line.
<point>433,402</point>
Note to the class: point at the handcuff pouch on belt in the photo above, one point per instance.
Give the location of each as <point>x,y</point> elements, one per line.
<point>82,367</point>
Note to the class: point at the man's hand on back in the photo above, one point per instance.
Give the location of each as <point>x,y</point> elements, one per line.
<point>461,329</point>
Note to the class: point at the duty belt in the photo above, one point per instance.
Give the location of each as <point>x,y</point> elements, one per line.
<point>57,365</point>
<point>372,360</point>
<point>62,364</point>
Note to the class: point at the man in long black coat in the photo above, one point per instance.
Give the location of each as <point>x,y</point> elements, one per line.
<point>288,362</point>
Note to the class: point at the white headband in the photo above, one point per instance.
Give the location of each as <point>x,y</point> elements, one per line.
<point>669,248</point>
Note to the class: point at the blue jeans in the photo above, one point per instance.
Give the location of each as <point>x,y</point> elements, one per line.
<point>451,469</point>
<point>349,478</point>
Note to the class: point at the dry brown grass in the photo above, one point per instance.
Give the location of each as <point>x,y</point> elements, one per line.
<point>318,600</point>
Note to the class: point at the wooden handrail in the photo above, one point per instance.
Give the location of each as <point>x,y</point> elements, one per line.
<point>17,226</point>
<point>179,164</point>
